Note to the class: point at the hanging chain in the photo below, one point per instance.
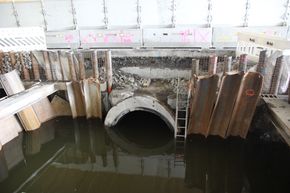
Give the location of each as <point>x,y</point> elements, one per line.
<point>209,14</point>
<point>139,21</point>
<point>173,14</point>
<point>15,13</point>
<point>74,15</point>
<point>285,16</point>
<point>44,14</point>
<point>105,11</point>
<point>246,17</point>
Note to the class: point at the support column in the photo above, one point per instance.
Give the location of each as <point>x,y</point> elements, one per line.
<point>82,66</point>
<point>289,92</point>
<point>26,74</point>
<point>95,66</point>
<point>195,67</point>
<point>71,66</point>
<point>48,72</point>
<point>261,63</point>
<point>109,70</point>
<point>243,62</point>
<point>227,64</point>
<point>35,67</point>
<point>212,64</point>
<point>276,76</point>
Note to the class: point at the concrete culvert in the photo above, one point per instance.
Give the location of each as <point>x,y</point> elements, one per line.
<point>139,103</point>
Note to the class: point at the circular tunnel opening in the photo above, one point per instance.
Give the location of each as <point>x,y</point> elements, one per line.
<point>144,128</point>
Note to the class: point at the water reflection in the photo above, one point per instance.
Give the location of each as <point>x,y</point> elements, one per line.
<point>99,159</point>
<point>214,165</point>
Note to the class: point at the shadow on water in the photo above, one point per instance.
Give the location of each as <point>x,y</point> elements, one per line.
<point>138,156</point>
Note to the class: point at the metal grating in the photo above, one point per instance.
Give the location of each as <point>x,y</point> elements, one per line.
<point>22,39</point>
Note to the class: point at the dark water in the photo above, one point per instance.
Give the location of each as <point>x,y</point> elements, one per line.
<point>139,155</point>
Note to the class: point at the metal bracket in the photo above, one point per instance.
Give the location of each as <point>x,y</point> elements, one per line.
<point>44,13</point>
<point>74,15</point>
<point>15,13</point>
<point>105,11</point>
<point>285,16</point>
<point>209,14</point>
<point>173,15</point>
<point>139,21</point>
<point>246,16</point>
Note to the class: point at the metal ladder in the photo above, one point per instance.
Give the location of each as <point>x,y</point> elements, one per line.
<point>181,123</point>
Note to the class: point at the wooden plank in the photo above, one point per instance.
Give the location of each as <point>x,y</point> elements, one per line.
<point>94,59</point>
<point>109,70</point>
<point>22,101</point>
<point>224,106</point>
<point>245,105</point>
<point>13,59</point>
<point>64,65</point>
<point>60,106</point>
<point>202,105</point>
<point>35,67</point>
<point>47,67</point>
<point>55,65</point>
<point>92,98</point>
<point>72,66</point>
<point>26,75</point>
<point>82,70</point>
<point>1,62</point>
<point>76,99</point>
<point>44,110</point>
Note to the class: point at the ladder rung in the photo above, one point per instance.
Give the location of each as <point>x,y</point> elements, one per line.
<point>180,136</point>
<point>181,118</point>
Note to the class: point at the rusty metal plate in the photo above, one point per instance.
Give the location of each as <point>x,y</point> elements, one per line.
<point>202,105</point>
<point>224,106</point>
<point>245,105</point>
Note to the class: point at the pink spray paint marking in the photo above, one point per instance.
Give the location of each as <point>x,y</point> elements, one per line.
<point>201,36</point>
<point>126,38</point>
<point>185,35</point>
<point>68,38</point>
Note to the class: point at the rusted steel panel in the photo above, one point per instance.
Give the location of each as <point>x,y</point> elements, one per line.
<point>224,106</point>
<point>202,105</point>
<point>276,76</point>
<point>245,105</point>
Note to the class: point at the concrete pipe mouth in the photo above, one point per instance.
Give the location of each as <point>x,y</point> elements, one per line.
<point>140,103</point>
<point>141,120</point>
<point>142,133</point>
